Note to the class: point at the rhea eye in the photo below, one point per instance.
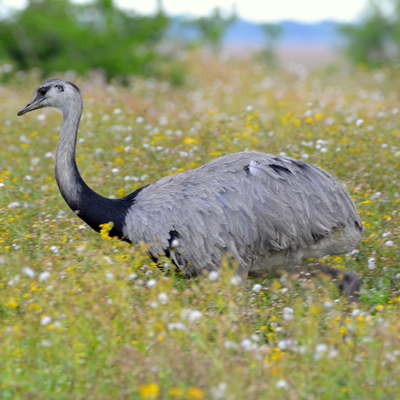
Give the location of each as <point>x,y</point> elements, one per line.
<point>42,91</point>
<point>59,88</point>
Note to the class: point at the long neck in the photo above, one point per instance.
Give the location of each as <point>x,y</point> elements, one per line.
<point>87,204</point>
<point>68,178</point>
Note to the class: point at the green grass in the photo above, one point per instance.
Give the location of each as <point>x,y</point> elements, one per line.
<point>104,323</point>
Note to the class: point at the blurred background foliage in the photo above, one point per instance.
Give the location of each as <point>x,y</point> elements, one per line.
<point>375,40</point>
<point>211,29</point>
<point>60,35</point>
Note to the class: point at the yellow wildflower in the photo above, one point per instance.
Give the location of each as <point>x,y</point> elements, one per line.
<point>194,393</point>
<point>190,141</point>
<point>105,229</point>
<point>175,392</point>
<point>149,391</point>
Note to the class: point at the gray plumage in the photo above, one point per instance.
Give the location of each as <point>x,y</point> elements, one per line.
<point>266,211</point>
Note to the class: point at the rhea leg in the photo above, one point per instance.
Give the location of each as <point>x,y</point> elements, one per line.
<point>347,281</point>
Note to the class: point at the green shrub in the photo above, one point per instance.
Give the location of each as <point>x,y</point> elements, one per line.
<point>58,35</point>
<point>375,40</point>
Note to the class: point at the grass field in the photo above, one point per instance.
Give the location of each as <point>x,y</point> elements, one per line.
<point>87,317</point>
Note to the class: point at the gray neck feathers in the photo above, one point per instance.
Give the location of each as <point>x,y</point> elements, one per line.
<point>67,175</point>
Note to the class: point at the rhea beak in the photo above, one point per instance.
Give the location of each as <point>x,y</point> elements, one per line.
<point>35,104</point>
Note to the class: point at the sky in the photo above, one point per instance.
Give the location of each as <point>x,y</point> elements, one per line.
<point>253,10</point>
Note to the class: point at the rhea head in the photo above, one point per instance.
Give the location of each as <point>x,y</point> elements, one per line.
<point>55,93</point>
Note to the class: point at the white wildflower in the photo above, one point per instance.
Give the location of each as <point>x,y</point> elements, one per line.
<point>256,288</point>
<point>175,243</point>
<point>151,283</point>
<point>16,278</point>
<point>195,315</point>
<point>230,345</point>
<point>389,243</point>
<point>218,392</point>
<point>329,121</point>
<point>247,344</point>
<point>213,276</point>
<point>320,350</point>
<point>371,263</point>
<point>286,344</point>
<point>54,249</point>
<point>43,276</point>
<point>328,304</point>
<point>287,313</point>
<point>282,344</point>
<point>255,337</point>
<point>236,280</point>
<point>163,120</point>
<point>45,320</point>
<point>176,325</point>
<point>356,312</point>
<point>28,271</point>
<point>132,276</point>
<point>14,204</point>
<point>333,353</point>
<point>109,275</point>
<point>162,298</point>
<point>282,384</point>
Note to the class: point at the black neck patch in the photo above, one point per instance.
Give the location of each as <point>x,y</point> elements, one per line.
<point>96,210</point>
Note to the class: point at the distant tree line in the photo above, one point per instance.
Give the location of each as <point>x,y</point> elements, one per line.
<point>61,35</point>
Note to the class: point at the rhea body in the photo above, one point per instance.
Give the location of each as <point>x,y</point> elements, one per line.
<point>266,211</point>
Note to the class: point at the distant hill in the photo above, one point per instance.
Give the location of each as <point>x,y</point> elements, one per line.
<point>294,33</point>
<point>246,33</point>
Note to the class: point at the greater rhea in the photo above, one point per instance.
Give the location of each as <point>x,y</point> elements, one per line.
<point>267,212</point>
